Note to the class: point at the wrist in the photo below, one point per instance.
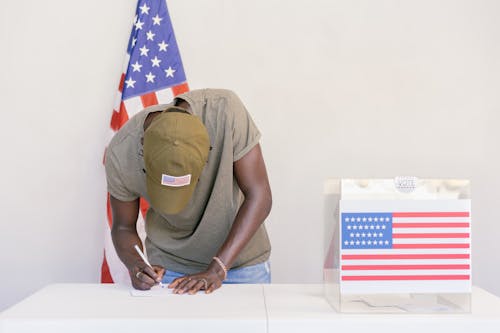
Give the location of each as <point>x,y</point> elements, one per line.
<point>222,269</point>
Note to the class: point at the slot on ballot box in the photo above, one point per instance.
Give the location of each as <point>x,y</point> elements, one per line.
<point>399,245</point>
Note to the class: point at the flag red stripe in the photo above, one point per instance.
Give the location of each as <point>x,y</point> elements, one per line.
<point>119,117</point>
<point>109,213</point>
<point>430,225</point>
<point>438,235</point>
<point>400,267</point>
<point>404,277</point>
<point>105,273</point>
<point>430,246</point>
<point>404,256</point>
<point>180,89</point>
<point>431,214</point>
<point>122,81</point>
<point>144,206</point>
<point>149,99</point>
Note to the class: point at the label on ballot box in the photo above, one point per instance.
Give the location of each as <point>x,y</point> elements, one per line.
<point>405,246</point>
<point>398,245</point>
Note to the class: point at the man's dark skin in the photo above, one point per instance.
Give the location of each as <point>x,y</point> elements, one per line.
<point>250,173</point>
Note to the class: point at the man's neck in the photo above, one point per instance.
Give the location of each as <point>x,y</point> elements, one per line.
<point>183,104</point>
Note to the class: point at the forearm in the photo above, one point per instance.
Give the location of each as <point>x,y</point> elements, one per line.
<point>124,240</point>
<point>124,230</point>
<point>249,218</point>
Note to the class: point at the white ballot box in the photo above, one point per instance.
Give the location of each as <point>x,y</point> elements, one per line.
<point>398,245</point>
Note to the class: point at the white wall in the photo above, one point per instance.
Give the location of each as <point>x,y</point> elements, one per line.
<point>338,88</point>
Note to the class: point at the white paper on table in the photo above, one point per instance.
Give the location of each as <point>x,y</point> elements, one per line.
<point>155,291</point>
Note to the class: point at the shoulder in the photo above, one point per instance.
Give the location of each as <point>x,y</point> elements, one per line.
<point>210,98</point>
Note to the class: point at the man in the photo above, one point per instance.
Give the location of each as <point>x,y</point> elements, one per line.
<point>198,162</point>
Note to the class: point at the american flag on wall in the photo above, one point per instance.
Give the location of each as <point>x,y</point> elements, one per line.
<point>405,246</point>
<point>152,74</point>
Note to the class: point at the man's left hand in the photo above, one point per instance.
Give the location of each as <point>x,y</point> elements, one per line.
<point>208,281</point>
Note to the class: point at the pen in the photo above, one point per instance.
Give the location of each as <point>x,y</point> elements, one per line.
<point>138,249</point>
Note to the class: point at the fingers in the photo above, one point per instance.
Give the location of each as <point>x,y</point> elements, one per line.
<point>160,271</point>
<point>145,277</point>
<point>194,283</point>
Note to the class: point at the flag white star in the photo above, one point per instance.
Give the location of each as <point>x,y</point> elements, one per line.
<point>144,9</point>
<point>377,227</point>
<point>352,235</point>
<point>383,227</point>
<point>363,242</point>
<point>150,77</point>
<point>375,219</point>
<point>363,234</point>
<point>144,51</point>
<point>139,24</point>
<point>169,72</point>
<point>380,242</point>
<point>134,40</point>
<point>355,227</point>
<point>386,242</point>
<point>357,234</point>
<point>357,242</point>
<point>346,243</point>
<point>351,242</point>
<point>380,234</point>
<point>155,62</point>
<point>150,35</point>
<point>136,67</point>
<point>348,227</point>
<point>358,219</point>
<point>157,20</point>
<point>130,83</point>
<point>364,219</point>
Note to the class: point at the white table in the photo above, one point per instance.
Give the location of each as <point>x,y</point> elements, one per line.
<point>94,308</point>
<point>233,308</point>
<point>302,308</point>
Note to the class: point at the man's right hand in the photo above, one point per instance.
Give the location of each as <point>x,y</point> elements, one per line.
<point>144,277</point>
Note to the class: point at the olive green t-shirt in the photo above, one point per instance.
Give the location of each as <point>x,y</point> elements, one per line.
<point>186,242</point>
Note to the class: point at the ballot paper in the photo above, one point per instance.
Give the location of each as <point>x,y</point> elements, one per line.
<point>156,291</point>
<point>422,303</point>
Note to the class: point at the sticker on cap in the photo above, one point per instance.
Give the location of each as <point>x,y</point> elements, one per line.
<point>175,181</point>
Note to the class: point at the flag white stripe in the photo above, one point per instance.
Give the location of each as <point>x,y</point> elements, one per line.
<point>405,251</point>
<point>429,230</point>
<point>431,219</point>
<point>406,262</point>
<point>133,106</point>
<point>406,272</point>
<point>430,241</point>
<point>164,96</point>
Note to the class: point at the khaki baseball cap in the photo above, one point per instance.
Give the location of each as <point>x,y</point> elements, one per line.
<point>176,147</point>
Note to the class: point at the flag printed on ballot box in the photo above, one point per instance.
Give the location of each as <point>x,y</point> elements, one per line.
<point>405,246</point>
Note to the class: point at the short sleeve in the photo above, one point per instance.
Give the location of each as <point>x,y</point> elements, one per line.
<point>116,186</point>
<point>246,135</point>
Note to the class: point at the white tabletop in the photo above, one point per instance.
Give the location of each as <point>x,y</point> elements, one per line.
<point>111,308</point>
<point>302,308</point>
<point>233,308</point>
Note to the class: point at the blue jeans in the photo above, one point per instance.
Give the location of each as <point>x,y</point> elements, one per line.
<point>260,273</point>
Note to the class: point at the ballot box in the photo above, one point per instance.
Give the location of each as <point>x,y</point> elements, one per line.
<point>399,245</point>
